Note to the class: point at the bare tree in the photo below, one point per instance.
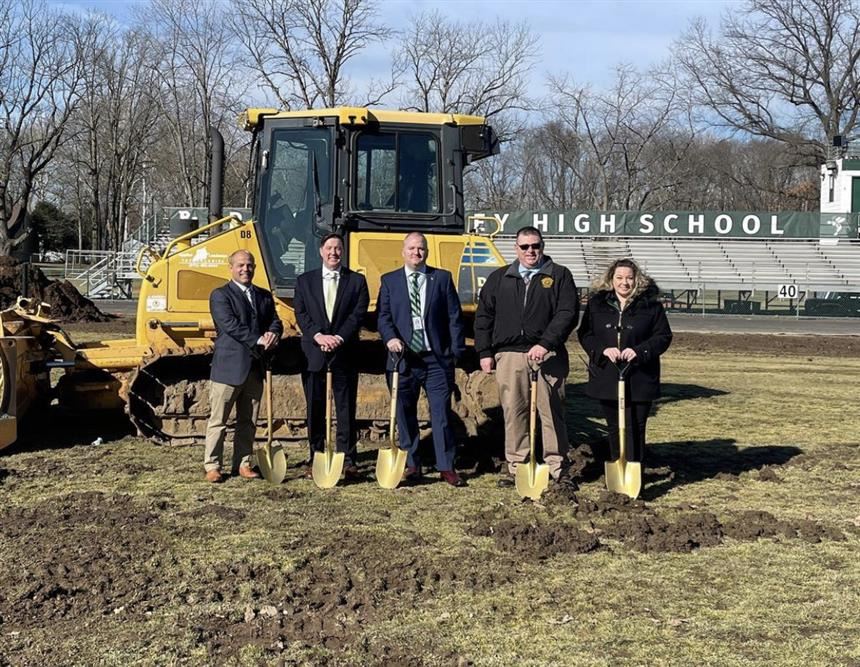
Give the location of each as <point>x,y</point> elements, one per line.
<point>638,133</point>
<point>469,68</point>
<point>300,48</point>
<point>200,85</point>
<point>40,77</point>
<point>780,69</point>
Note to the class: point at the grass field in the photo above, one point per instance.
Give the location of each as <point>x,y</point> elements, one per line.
<point>743,549</point>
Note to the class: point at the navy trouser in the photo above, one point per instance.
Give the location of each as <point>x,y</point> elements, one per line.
<point>438,382</point>
<point>635,422</point>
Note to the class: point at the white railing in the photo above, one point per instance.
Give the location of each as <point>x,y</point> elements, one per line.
<point>101,273</point>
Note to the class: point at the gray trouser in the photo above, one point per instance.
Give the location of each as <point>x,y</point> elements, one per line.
<point>222,398</point>
<point>512,375</point>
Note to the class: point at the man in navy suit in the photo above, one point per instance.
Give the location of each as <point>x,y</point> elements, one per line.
<point>419,316</point>
<point>246,327</point>
<point>330,304</point>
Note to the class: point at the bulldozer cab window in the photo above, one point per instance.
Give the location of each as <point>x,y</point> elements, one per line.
<point>397,172</point>
<point>297,181</point>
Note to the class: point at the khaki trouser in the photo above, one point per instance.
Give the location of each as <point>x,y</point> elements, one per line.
<point>222,398</point>
<point>512,375</point>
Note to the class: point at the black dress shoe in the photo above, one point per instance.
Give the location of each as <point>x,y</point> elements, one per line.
<point>452,478</point>
<point>506,482</point>
<point>412,474</point>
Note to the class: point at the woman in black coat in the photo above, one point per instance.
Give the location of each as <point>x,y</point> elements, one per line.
<point>625,301</point>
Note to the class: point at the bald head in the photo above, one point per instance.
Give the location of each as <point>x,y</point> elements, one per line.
<point>242,267</point>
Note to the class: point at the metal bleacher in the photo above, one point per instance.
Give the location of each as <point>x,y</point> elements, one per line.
<point>719,264</point>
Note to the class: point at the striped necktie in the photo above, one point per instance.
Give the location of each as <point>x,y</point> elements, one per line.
<point>416,343</point>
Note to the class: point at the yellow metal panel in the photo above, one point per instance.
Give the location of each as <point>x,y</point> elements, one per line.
<point>362,116</point>
<point>177,287</point>
<point>450,250</point>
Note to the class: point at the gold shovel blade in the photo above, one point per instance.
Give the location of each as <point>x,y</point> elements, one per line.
<point>272,464</point>
<point>390,464</point>
<point>624,477</point>
<point>532,480</point>
<point>327,468</point>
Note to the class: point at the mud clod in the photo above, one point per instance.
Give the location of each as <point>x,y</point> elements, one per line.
<point>67,303</point>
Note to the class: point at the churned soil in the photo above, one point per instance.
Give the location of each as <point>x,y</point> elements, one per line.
<point>67,303</point>
<point>85,556</point>
<point>788,344</point>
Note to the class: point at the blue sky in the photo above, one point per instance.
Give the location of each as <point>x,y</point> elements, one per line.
<point>585,38</point>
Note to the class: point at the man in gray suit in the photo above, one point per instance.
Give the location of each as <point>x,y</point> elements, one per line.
<point>246,326</point>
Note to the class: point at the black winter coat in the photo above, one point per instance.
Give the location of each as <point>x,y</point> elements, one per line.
<point>513,318</point>
<point>645,328</point>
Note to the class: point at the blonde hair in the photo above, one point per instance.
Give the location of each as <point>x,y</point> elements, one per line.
<point>641,280</point>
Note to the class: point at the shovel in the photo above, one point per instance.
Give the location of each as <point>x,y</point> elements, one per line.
<point>272,462</point>
<point>623,476</point>
<point>391,461</point>
<point>532,479</point>
<point>327,465</point>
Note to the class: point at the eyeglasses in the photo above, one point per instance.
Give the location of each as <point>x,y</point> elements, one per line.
<point>533,246</point>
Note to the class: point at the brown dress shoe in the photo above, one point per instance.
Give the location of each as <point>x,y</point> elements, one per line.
<point>247,473</point>
<point>452,478</point>
<point>214,476</point>
<point>351,473</point>
<point>411,474</point>
<point>308,472</point>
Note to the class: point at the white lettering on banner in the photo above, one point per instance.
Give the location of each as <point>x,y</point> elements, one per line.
<point>184,214</point>
<point>751,224</point>
<point>572,222</point>
<point>723,228</point>
<point>607,223</point>
<point>645,224</point>
<point>774,225</point>
<point>670,218</point>
<point>696,224</point>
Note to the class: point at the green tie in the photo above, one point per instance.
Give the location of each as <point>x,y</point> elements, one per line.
<point>416,343</point>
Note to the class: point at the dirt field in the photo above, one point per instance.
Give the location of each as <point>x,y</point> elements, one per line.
<point>742,549</point>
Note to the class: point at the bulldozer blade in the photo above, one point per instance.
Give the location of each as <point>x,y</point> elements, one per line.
<point>532,480</point>
<point>624,477</point>
<point>390,464</point>
<point>327,468</point>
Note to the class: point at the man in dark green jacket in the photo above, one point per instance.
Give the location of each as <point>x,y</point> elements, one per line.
<point>525,314</point>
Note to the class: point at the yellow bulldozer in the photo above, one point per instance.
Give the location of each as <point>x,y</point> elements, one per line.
<point>371,175</point>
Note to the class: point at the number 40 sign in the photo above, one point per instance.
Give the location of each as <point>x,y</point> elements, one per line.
<point>788,292</point>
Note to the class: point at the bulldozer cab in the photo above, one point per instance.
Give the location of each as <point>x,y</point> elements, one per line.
<point>353,170</point>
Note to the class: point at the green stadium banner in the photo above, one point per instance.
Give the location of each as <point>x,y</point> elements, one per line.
<point>679,224</point>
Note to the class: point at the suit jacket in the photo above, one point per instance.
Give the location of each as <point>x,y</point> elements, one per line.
<point>237,329</point>
<point>443,317</point>
<point>350,307</point>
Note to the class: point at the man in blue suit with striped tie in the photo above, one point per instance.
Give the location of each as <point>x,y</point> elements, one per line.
<point>419,317</point>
